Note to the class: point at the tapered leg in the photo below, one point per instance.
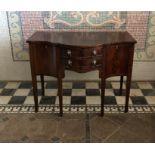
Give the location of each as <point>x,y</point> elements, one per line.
<point>128,82</point>
<point>121,85</point>
<point>35,92</point>
<point>42,85</point>
<point>60,95</point>
<point>102,95</point>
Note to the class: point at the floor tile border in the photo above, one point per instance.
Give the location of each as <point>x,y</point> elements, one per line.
<point>76,109</point>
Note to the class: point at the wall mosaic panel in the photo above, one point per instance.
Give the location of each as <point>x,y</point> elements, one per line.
<point>140,24</point>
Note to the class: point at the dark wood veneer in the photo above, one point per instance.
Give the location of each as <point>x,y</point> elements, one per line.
<point>109,52</point>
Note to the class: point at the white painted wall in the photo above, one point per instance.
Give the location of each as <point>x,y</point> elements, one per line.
<point>18,70</point>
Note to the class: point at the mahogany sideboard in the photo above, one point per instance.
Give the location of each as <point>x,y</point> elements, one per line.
<point>111,53</point>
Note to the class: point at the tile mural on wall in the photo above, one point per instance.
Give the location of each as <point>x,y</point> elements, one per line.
<point>140,24</point>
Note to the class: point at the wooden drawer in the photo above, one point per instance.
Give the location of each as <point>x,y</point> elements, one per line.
<point>82,52</point>
<point>83,65</point>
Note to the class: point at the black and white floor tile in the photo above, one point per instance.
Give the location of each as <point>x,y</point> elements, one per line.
<point>77,97</point>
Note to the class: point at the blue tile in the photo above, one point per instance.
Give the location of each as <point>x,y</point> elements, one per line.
<point>7,92</point>
<point>25,85</point>
<point>116,92</point>
<point>2,84</point>
<point>110,100</point>
<point>138,100</point>
<point>79,85</point>
<point>148,92</point>
<point>52,85</point>
<point>67,92</point>
<point>17,100</point>
<point>92,92</point>
<point>48,100</point>
<point>78,100</point>
<point>134,85</point>
<point>31,92</point>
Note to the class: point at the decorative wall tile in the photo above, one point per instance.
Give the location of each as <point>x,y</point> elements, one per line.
<point>84,20</point>
<point>140,24</point>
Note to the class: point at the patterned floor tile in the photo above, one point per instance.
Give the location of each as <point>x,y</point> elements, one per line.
<point>47,100</point>
<point>22,92</point>
<point>2,84</point>
<point>52,85</point>
<point>148,92</point>
<point>110,100</point>
<point>78,85</point>
<point>144,85</point>
<point>92,92</point>
<point>134,85</point>
<point>31,92</point>
<point>67,92</point>
<point>116,85</point>
<point>136,92</point>
<point>138,100</point>
<point>93,100</point>
<point>30,100</point>
<point>121,100</point>
<point>12,85</point>
<point>51,92</point>
<point>78,92</point>
<point>76,95</point>
<point>109,92</point>
<point>25,85</point>
<point>117,92</point>
<point>92,85</point>
<point>7,92</point>
<point>5,99</point>
<point>150,99</point>
<point>78,100</point>
<point>66,100</point>
<point>67,85</point>
<point>17,100</point>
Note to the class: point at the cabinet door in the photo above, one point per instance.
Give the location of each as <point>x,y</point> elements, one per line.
<point>43,59</point>
<point>117,60</point>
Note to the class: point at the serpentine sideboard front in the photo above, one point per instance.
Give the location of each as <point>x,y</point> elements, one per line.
<point>111,53</point>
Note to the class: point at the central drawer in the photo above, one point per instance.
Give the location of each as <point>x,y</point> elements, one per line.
<point>83,65</point>
<point>82,59</point>
<point>82,52</point>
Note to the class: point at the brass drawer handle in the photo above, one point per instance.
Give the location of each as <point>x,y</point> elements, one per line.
<point>69,52</point>
<point>94,52</point>
<point>69,62</point>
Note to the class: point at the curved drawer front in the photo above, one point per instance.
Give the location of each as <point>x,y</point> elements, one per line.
<point>82,52</point>
<point>83,65</point>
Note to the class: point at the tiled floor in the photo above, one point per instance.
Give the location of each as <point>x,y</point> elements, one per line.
<point>80,122</point>
<point>81,128</point>
<point>77,97</point>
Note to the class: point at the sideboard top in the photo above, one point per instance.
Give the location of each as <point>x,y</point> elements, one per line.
<point>82,38</point>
